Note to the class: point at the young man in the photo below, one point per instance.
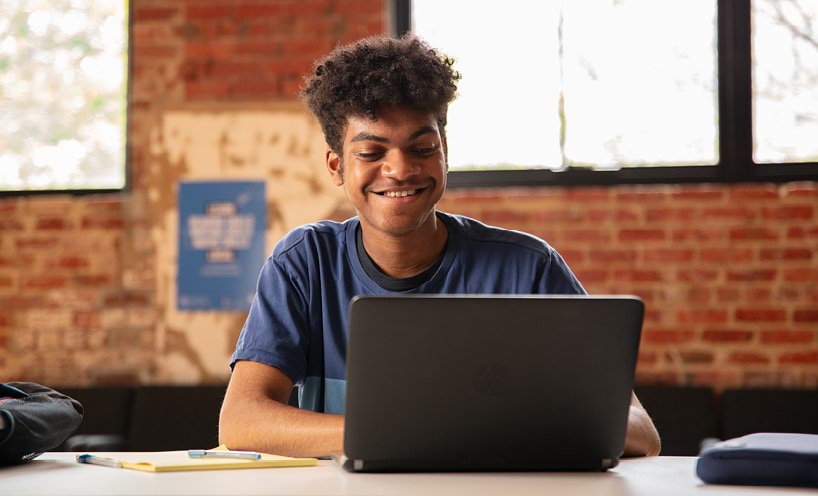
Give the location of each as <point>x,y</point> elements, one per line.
<point>382,106</point>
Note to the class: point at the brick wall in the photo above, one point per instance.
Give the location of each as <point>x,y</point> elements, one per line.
<point>729,273</point>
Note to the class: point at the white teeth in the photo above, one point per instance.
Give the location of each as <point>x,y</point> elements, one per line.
<point>400,194</point>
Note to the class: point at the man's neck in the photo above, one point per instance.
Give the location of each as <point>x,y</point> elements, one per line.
<point>407,255</point>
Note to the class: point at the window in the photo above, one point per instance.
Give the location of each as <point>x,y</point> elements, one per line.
<point>627,91</point>
<point>63,95</point>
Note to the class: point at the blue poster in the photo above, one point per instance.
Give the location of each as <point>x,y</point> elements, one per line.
<point>221,243</point>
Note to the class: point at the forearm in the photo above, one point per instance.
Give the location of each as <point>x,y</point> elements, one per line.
<point>642,438</point>
<point>263,424</point>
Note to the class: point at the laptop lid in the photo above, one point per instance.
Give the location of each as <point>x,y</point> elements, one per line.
<point>488,382</point>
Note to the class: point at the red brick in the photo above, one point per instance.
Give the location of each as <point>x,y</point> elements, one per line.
<point>36,243</point>
<point>699,234</point>
<point>798,232</point>
<point>642,194</point>
<point>722,255</point>
<point>753,234</point>
<point>699,195</point>
<point>638,275</point>
<point>761,315</point>
<point>696,357</point>
<point>617,215</point>
<point>258,48</point>
<point>806,315</point>
<point>647,358</point>
<point>668,336</point>
<point>507,217</point>
<point>43,282</point>
<point>559,215</point>
<point>585,195</point>
<point>145,14</point>
<point>728,295</point>
<point>612,255</point>
<point>727,336</point>
<point>7,208</point>
<point>641,235</point>
<point>586,236</point>
<point>747,358</point>
<point>804,274</point>
<point>753,192</point>
<point>217,11</point>
<point>653,316</point>
<point>758,275</point>
<point>259,9</point>
<point>758,295</point>
<point>699,295</point>
<point>86,320</point>
<point>697,275</point>
<point>728,213</point>
<point>669,255</point>
<point>670,214</point>
<point>572,257</point>
<point>786,254</point>
<point>800,357</point>
<point>10,224</point>
<point>787,212</point>
<point>145,51</point>
<point>787,336</point>
<point>72,262</point>
<point>95,223</point>
<point>702,316</point>
<point>93,280</point>
<point>591,276</point>
<point>210,50</point>
<point>52,224</point>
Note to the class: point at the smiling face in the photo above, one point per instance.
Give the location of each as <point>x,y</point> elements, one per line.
<point>393,170</point>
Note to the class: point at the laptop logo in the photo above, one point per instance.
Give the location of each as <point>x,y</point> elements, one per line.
<point>492,379</point>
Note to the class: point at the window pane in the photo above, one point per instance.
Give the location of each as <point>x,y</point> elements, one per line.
<point>62,94</point>
<point>596,83</point>
<point>785,81</point>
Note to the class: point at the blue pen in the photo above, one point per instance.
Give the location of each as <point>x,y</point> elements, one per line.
<point>244,455</point>
<point>98,460</point>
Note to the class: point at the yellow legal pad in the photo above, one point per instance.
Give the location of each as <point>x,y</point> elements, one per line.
<point>176,461</point>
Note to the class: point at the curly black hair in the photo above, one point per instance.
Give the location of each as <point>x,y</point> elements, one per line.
<point>360,78</point>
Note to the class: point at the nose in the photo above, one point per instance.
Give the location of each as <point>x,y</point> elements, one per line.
<point>399,166</point>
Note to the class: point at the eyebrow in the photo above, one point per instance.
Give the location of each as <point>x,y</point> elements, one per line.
<point>380,139</point>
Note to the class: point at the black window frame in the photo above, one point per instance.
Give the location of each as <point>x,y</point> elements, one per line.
<point>735,125</point>
<point>126,186</point>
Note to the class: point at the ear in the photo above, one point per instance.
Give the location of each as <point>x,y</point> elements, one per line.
<point>334,166</point>
<point>446,152</point>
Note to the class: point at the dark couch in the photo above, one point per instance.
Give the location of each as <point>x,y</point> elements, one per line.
<point>154,418</point>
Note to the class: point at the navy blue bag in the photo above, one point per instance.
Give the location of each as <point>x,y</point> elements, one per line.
<point>762,459</point>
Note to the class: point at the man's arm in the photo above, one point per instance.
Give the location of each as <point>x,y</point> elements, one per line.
<point>255,416</point>
<point>641,438</point>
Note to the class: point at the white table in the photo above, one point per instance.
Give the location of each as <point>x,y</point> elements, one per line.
<point>59,474</point>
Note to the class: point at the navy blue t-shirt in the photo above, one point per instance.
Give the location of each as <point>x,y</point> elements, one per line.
<point>298,319</point>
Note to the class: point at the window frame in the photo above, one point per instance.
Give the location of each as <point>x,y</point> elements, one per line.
<point>126,185</point>
<point>735,125</point>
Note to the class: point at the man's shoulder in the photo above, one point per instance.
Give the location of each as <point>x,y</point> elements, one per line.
<point>479,233</point>
<point>323,232</point>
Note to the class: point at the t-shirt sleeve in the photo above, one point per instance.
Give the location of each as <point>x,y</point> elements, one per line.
<point>276,330</point>
<point>558,278</point>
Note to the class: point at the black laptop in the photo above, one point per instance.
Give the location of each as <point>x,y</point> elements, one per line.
<point>489,383</point>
